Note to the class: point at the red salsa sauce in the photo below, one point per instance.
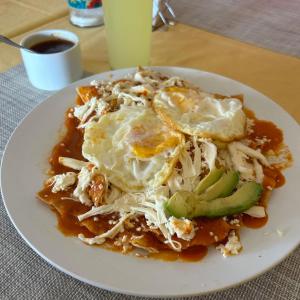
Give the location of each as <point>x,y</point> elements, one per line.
<point>67,210</point>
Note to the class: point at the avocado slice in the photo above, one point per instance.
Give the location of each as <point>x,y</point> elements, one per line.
<point>222,188</point>
<point>185,204</point>
<point>181,204</point>
<point>212,177</point>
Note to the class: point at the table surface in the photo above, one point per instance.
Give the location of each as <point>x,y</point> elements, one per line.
<point>268,24</point>
<point>272,24</point>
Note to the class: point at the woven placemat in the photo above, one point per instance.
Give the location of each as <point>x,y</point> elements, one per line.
<point>24,275</point>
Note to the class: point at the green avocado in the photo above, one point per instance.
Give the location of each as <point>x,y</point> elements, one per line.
<point>185,204</point>
<point>212,177</point>
<point>222,188</point>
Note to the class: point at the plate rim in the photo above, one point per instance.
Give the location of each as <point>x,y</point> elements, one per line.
<point>110,288</point>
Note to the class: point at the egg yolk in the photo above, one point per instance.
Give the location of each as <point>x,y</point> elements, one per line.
<point>183,98</point>
<point>146,143</point>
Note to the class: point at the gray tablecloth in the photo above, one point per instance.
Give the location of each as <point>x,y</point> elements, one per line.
<point>24,275</point>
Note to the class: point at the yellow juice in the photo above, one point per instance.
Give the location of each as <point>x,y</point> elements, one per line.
<point>128,25</point>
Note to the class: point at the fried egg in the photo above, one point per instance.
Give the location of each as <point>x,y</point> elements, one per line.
<point>197,113</point>
<point>132,147</point>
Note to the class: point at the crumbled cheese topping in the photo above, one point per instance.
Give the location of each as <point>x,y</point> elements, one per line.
<point>249,125</point>
<point>63,181</point>
<point>145,89</point>
<point>149,204</point>
<point>183,228</point>
<point>137,90</point>
<point>174,81</point>
<point>234,222</point>
<point>281,159</point>
<point>198,156</point>
<point>262,141</point>
<point>232,247</point>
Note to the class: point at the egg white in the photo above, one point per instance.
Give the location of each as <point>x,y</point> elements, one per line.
<point>132,147</point>
<point>201,114</point>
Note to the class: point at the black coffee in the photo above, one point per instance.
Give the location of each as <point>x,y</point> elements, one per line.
<point>52,46</point>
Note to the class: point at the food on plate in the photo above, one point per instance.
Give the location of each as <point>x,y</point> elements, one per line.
<point>155,166</point>
<point>201,114</point>
<point>184,204</point>
<point>142,149</point>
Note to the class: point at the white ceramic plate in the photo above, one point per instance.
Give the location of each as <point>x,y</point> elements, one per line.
<point>23,171</point>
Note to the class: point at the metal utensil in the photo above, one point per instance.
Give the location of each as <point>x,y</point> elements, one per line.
<point>8,41</point>
<point>170,9</point>
<point>165,16</point>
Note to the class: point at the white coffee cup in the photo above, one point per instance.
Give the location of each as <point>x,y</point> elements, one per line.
<point>55,70</point>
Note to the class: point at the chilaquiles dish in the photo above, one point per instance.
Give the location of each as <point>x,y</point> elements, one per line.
<point>154,166</point>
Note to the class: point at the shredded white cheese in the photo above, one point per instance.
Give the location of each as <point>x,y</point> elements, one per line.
<point>209,153</point>
<point>84,178</point>
<point>256,212</point>
<point>84,111</point>
<point>100,239</point>
<point>258,171</point>
<point>198,156</point>
<point>247,161</point>
<point>149,204</point>
<point>250,152</point>
<point>204,157</point>
<point>72,163</point>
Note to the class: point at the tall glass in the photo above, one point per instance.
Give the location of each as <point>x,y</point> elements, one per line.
<point>128,25</point>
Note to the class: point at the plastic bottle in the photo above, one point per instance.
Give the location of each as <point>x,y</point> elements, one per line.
<point>86,13</point>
